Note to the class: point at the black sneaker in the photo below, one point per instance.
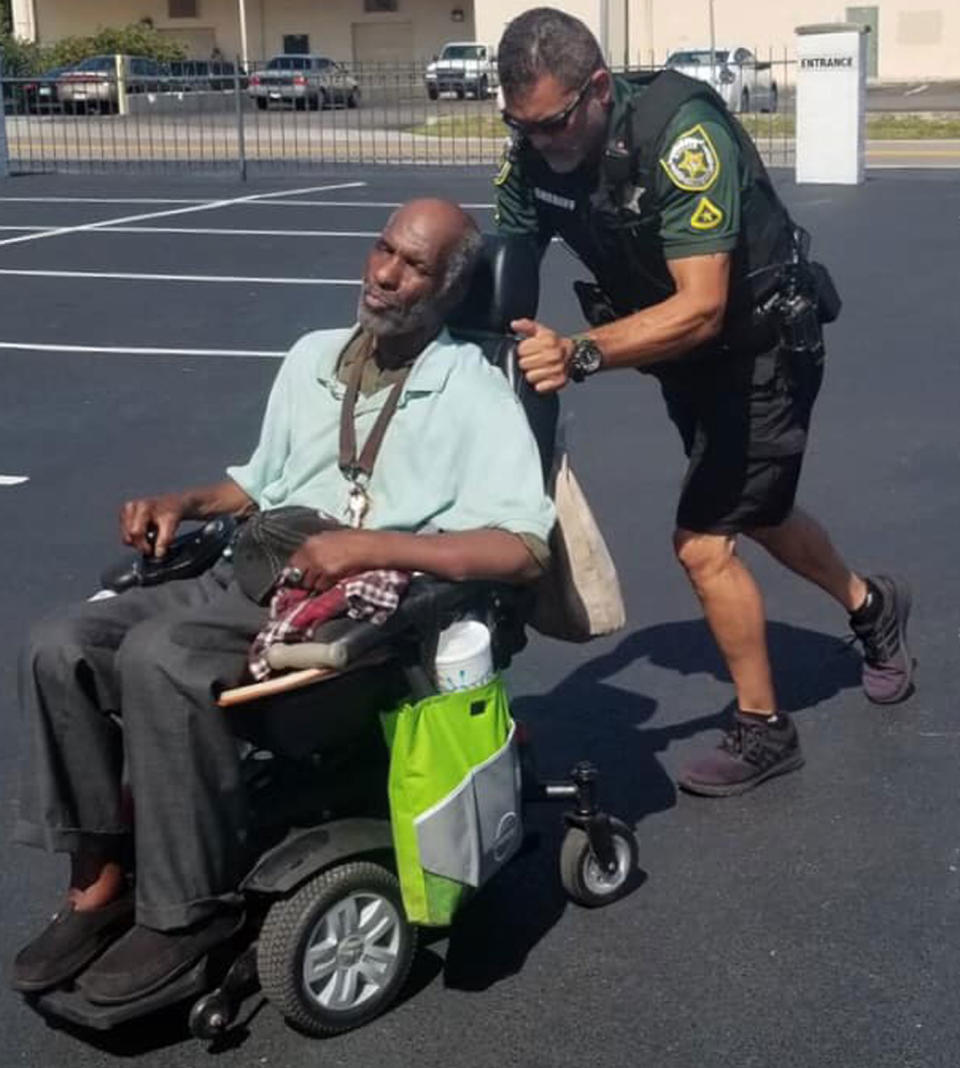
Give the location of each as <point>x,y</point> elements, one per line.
<point>71,940</point>
<point>887,664</point>
<point>751,752</point>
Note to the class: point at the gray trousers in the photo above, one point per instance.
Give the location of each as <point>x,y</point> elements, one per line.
<point>156,658</point>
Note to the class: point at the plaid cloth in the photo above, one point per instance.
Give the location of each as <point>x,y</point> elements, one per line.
<point>295,614</point>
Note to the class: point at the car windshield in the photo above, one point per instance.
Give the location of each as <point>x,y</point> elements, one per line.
<point>288,63</point>
<point>96,63</point>
<point>698,58</point>
<point>461,52</point>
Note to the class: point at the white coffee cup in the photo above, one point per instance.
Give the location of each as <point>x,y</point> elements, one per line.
<point>464,658</point>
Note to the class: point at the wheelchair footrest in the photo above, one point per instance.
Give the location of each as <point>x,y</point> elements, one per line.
<point>72,1006</point>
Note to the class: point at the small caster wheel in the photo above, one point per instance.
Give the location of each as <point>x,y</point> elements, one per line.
<point>210,1016</point>
<point>584,879</point>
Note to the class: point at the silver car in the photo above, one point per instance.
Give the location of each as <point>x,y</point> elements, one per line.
<point>744,82</point>
<point>303,81</point>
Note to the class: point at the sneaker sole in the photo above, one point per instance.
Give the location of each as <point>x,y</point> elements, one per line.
<point>903,603</point>
<point>703,789</point>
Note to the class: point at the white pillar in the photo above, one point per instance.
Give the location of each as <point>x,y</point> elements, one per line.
<point>831,103</point>
<point>4,165</point>
<point>24,14</point>
<point>244,58</point>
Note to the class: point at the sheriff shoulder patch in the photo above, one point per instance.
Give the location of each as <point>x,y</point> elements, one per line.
<point>504,173</point>
<point>706,216</point>
<point>692,163</point>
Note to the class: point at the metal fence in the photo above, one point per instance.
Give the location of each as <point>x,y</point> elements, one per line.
<point>374,114</point>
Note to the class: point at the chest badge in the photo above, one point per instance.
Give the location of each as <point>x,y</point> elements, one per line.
<point>631,198</point>
<point>692,163</point>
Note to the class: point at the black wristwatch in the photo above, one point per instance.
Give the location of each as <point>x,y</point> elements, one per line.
<point>587,358</point>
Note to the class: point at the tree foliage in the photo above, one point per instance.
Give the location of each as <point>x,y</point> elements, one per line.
<point>22,58</point>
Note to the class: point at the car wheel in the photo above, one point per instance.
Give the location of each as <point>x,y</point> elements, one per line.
<point>432,92</point>
<point>337,953</point>
<point>315,102</point>
<point>262,103</point>
<point>744,100</point>
<point>483,89</point>
<point>461,92</point>
<point>774,99</point>
<point>352,99</point>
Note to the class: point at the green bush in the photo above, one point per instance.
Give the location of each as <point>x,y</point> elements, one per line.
<point>23,58</point>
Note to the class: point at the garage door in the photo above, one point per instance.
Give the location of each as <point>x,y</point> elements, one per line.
<point>382,42</point>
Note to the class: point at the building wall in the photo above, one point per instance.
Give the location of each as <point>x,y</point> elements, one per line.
<point>329,23</point>
<point>917,39</point>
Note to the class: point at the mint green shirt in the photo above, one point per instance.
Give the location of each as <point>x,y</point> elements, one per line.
<point>458,453</point>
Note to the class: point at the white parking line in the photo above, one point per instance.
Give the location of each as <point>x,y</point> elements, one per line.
<point>105,200</point>
<point>212,230</point>
<point>353,204</point>
<point>136,350</point>
<point>206,206</point>
<point>13,480</point>
<point>138,277</point>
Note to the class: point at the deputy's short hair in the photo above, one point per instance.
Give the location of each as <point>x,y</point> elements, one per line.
<point>542,41</point>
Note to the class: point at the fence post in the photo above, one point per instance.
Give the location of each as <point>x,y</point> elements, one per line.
<point>120,74</point>
<point>241,140</point>
<point>4,164</point>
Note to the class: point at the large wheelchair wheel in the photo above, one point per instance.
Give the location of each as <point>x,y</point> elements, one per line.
<point>584,880</point>
<point>337,953</point>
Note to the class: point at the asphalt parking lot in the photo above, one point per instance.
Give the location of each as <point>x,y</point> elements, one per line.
<point>814,922</point>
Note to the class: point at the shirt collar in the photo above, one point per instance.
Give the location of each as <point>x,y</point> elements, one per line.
<point>429,373</point>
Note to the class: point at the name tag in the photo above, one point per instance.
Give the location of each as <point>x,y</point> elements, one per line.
<point>552,198</point>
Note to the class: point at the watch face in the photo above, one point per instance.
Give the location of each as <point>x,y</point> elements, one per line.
<point>586,356</point>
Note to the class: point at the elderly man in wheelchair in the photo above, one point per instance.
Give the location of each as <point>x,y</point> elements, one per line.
<point>193,859</point>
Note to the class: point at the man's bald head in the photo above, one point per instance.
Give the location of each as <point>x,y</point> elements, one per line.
<point>419,267</point>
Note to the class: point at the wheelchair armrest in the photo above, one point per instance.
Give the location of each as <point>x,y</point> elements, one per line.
<point>429,605</point>
<point>189,555</point>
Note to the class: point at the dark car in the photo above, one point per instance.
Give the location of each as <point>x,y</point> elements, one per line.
<point>38,94</point>
<point>204,74</point>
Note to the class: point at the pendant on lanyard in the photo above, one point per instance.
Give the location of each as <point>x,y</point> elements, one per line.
<point>357,471</point>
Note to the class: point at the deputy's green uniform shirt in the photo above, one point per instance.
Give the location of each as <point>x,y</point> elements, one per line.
<point>693,208</point>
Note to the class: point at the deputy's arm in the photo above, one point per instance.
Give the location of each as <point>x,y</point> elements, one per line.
<point>491,555</point>
<point>684,321</point>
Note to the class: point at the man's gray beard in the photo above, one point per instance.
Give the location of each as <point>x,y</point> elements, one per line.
<point>423,316</point>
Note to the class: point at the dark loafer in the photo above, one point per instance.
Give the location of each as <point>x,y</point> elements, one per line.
<point>145,960</point>
<point>71,940</point>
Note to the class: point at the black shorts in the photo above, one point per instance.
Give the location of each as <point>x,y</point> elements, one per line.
<point>744,423</point>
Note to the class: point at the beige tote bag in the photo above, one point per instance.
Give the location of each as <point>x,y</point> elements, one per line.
<point>579,597</point>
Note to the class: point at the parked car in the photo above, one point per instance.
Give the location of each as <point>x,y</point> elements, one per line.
<point>204,75</point>
<point>38,94</point>
<point>744,82</point>
<point>92,83</point>
<point>463,67</point>
<point>304,81</point>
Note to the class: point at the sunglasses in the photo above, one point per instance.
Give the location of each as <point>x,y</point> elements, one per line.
<point>553,124</point>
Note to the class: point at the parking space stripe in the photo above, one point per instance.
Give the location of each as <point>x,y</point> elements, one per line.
<point>354,204</point>
<point>206,206</point>
<point>105,200</point>
<point>13,480</point>
<point>137,350</point>
<point>213,231</point>
<point>139,277</point>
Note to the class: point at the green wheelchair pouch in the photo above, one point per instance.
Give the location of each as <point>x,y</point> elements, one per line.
<point>455,797</point>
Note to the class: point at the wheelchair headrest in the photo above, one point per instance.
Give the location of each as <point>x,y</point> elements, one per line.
<point>505,286</point>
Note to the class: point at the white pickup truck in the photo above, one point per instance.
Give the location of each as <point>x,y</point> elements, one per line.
<point>744,82</point>
<point>463,67</point>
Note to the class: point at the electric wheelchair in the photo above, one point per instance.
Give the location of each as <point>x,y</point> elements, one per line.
<point>326,937</point>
